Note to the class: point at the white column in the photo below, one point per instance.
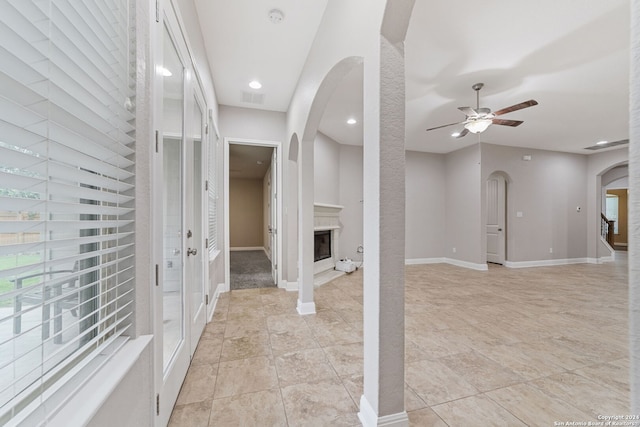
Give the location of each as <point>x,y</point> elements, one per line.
<point>634,209</point>
<point>384,223</point>
<point>306,305</point>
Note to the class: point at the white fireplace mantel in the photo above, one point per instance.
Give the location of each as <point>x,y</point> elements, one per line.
<point>326,216</point>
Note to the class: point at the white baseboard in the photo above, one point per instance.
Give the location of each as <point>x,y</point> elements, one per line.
<point>248,248</point>
<point>421,261</point>
<point>601,260</point>
<point>289,286</point>
<point>546,262</point>
<point>305,308</point>
<point>369,418</point>
<point>214,300</point>
<point>451,261</point>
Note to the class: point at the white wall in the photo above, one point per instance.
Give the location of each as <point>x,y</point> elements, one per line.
<point>425,209</point>
<point>249,123</point>
<point>338,181</point>
<point>326,170</point>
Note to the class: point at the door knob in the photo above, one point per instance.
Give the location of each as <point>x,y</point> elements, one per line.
<point>192,251</point>
<point>499,229</point>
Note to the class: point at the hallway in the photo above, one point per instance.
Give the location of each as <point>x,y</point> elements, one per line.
<point>513,347</point>
<point>250,270</point>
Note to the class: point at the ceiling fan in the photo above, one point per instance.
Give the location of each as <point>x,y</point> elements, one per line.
<point>479,119</point>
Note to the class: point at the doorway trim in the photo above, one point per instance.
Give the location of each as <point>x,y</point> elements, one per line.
<point>277,145</point>
<point>502,217</point>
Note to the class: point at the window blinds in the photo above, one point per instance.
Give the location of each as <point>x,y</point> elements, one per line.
<point>67,129</point>
<point>213,194</point>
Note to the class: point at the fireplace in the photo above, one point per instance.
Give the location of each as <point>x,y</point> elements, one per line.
<point>326,227</point>
<point>322,245</point>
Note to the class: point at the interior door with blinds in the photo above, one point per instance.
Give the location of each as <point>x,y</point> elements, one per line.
<point>196,253</point>
<point>181,161</point>
<point>171,299</point>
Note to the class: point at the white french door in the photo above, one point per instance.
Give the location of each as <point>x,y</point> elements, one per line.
<point>273,216</point>
<point>196,253</point>
<point>179,171</point>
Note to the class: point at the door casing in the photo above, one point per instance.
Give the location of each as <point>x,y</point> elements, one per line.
<point>496,193</point>
<point>277,146</point>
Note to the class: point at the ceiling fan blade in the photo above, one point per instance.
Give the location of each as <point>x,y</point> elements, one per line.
<point>526,104</point>
<point>504,122</point>
<point>462,133</point>
<point>468,111</point>
<point>444,126</point>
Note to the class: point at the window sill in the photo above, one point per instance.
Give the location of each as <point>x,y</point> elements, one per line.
<point>80,408</point>
<point>214,255</point>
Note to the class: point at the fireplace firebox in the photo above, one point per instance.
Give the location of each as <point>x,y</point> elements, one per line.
<point>322,245</point>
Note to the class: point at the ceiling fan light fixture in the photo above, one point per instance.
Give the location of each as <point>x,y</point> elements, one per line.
<point>478,126</point>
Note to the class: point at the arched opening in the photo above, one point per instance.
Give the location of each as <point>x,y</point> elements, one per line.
<point>612,210</point>
<point>306,180</point>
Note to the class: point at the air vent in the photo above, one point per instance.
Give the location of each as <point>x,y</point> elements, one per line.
<point>253,98</point>
<point>607,145</point>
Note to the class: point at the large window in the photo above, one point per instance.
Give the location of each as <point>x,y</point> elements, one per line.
<point>67,80</point>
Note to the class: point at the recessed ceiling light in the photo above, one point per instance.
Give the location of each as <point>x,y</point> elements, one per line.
<point>254,84</point>
<point>602,142</point>
<point>259,162</point>
<point>164,72</point>
<point>455,134</point>
<point>352,121</point>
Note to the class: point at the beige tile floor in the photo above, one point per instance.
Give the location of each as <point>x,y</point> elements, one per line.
<point>504,347</point>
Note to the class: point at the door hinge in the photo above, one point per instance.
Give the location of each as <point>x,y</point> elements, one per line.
<point>206,129</point>
<point>157,143</point>
<point>206,185</point>
<point>157,10</point>
<point>158,404</point>
<point>206,243</point>
<point>157,275</point>
<point>206,299</point>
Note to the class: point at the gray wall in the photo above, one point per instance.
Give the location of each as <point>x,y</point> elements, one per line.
<point>326,170</point>
<point>350,190</point>
<point>338,173</point>
<point>463,206</point>
<point>425,208</point>
<point>548,189</point>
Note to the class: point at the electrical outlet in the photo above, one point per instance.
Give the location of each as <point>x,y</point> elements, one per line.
<point>454,250</point>
<point>550,250</point>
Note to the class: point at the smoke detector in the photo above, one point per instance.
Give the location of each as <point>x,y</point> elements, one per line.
<point>276,16</point>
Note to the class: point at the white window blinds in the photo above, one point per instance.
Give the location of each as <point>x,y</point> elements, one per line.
<point>213,192</point>
<point>67,80</point>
